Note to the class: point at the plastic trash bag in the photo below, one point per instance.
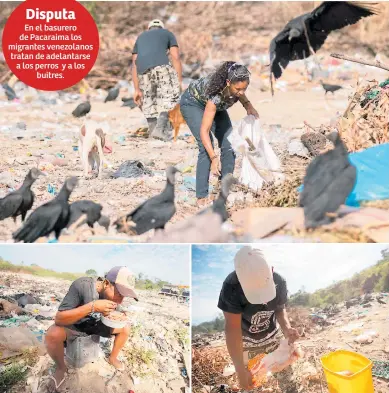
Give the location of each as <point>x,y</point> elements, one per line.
<point>278,360</point>
<point>260,164</point>
<point>372,182</point>
<point>18,339</point>
<point>372,175</point>
<point>366,337</point>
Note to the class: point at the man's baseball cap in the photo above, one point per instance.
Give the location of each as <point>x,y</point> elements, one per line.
<point>124,281</point>
<point>156,23</point>
<point>255,275</point>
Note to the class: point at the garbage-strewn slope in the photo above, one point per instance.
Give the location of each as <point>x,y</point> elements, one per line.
<point>156,355</point>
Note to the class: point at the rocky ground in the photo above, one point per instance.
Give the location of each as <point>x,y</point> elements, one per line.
<point>156,356</point>
<point>345,330</point>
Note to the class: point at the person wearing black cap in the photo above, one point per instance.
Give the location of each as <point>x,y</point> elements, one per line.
<point>80,312</point>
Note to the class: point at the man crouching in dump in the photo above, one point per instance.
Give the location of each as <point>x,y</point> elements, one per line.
<point>79,315</point>
<point>253,299</point>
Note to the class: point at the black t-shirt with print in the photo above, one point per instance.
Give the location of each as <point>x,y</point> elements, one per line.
<point>258,320</point>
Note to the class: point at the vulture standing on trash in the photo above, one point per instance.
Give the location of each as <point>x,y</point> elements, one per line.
<point>112,94</point>
<point>153,213</point>
<point>330,88</point>
<point>328,181</point>
<point>53,216</point>
<point>219,205</point>
<point>9,92</point>
<point>291,43</point>
<point>129,102</point>
<point>92,211</point>
<point>82,109</point>
<point>19,202</point>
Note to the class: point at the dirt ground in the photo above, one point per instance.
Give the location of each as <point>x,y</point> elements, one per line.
<point>51,132</point>
<point>155,355</point>
<point>307,372</point>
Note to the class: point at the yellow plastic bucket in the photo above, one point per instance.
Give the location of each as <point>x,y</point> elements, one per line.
<point>356,375</point>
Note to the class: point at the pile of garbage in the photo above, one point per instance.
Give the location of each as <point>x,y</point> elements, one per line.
<point>208,365</point>
<point>156,355</point>
<point>365,122</point>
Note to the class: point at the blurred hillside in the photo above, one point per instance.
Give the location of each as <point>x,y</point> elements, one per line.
<point>214,30</point>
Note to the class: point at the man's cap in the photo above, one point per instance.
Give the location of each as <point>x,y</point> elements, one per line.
<point>156,23</point>
<point>124,281</point>
<point>255,275</point>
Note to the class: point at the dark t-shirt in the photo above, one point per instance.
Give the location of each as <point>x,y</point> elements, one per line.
<point>151,47</point>
<point>82,291</point>
<point>258,320</point>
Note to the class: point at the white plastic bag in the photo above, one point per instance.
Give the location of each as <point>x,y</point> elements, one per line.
<point>259,165</point>
<point>278,360</point>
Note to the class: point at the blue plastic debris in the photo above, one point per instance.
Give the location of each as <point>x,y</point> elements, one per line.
<point>51,189</point>
<point>372,182</point>
<point>189,184</point>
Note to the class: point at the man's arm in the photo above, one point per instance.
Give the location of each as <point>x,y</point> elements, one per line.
<point>68,317</point>
<point>137,94</point>
<point>283,320</point>
<point>233,331</point>
<point>135,79</point>
<point>176,61</point>
<point>289,332</point>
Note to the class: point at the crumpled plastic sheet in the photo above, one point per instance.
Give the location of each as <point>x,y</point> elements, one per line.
<point>132,169</point>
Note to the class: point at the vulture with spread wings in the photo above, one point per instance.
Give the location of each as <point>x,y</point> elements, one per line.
<point>292,43</point>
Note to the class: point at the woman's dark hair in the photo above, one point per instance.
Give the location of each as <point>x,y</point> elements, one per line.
<point>228,70</point>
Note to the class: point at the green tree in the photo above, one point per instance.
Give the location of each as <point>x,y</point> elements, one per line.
<point>91,272</point>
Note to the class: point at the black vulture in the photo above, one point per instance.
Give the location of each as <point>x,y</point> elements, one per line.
<point>291,43</point>
<point>330,88</point>
<point>328,181</point>
<point>92,211</point>
<point>20,201</point>
<point>219,205</point>
<point>53,216</point>
<point>112,94</point>
<point>129,102</point>
<point>9,92</point>
<point>153,213</point>
<point>82,109</point>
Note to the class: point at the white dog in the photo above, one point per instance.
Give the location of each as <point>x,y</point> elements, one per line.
<point>91,147</point>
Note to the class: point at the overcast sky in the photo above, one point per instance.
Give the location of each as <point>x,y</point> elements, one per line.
<point>313,266</point>
<point>166,262</point>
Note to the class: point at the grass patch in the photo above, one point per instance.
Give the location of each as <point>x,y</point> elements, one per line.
<point>12,375</point>
<point>182,334</point>
<point>141,361</point>
<point>16,373</point>
<point>37,271</point>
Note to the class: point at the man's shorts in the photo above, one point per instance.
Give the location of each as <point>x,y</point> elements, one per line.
<point>88,329</point>
<point>161,90</point>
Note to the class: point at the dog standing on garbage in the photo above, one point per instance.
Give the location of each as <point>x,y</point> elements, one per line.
<point>91,145</point>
